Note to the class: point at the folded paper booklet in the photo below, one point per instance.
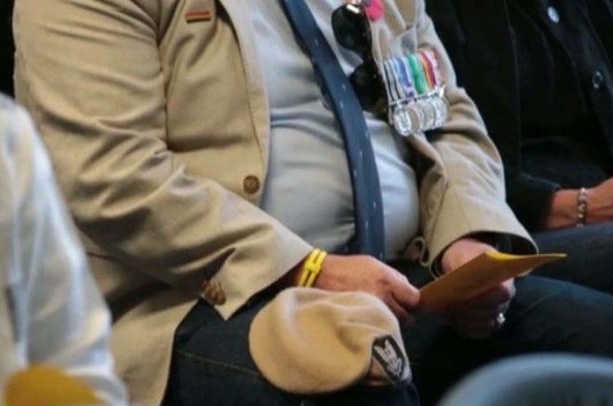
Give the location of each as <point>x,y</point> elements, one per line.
<point>477,276</point>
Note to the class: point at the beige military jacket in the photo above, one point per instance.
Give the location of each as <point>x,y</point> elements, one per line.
<point>156,117</point>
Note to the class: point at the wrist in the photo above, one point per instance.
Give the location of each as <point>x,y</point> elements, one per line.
<point>563,210</point>
<point>458,252</point>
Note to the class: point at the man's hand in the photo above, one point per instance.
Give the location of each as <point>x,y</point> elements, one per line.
<point>477,317</point>
<point>366,274</point>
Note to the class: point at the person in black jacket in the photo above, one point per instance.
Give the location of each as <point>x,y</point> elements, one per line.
<point>541,73</point>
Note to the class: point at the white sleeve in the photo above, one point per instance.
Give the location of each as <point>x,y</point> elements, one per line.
<point>68,323</point>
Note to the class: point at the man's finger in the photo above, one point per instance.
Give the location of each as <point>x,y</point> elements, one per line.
<point>402,315</point>
<point>404,293</point>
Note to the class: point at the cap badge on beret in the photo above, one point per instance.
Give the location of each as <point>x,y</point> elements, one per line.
<point>388,354</point>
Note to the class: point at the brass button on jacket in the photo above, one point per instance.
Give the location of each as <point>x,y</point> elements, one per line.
<point>251,184</point>
<point>213,292</point>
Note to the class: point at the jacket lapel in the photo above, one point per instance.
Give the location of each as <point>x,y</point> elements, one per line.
<point>238,11</point>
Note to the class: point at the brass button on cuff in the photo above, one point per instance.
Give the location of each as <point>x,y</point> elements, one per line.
<point>213,292</point>
<point>251,184</point>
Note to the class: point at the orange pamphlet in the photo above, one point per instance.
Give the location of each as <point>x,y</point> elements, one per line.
<point>477,276</point>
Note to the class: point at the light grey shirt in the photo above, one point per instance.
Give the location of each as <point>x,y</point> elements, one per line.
<point>309,186</point>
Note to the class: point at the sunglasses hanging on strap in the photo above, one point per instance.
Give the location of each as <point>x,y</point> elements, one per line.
<point>352,31</point>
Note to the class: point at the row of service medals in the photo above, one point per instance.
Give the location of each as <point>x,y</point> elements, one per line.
<point>415,92</point>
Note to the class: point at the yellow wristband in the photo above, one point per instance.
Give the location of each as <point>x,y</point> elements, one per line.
<point>311,268</point>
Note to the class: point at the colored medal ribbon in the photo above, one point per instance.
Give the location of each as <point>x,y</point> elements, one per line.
<point>415,90</point>
<point>428,70</point>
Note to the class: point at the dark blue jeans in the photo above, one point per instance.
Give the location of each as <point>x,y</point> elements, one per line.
<point>212,365</point>
<point>590,255</point>
<point>546,315</point>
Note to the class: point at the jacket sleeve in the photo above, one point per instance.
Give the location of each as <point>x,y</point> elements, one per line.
<point>91,74</point>
<point>530,197</point>
<point>463,192</point>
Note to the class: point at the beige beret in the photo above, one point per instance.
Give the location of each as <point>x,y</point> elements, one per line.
<point>310,341</point>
